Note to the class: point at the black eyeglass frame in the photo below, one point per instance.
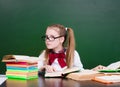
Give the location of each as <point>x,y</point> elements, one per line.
<point>52,37</point>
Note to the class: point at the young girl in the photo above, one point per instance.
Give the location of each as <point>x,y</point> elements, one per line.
<point>60,52</point>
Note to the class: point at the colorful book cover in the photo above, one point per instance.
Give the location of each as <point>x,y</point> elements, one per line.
<point>21,77</point>
<point>18,65</point>
<point>21,68</point>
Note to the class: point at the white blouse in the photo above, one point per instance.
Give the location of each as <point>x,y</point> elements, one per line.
<point>77,62</point>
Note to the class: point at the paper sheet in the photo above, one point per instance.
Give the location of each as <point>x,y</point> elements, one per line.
<point>2,78</point>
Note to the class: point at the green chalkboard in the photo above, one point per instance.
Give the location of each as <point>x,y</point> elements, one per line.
<point>96,24</point>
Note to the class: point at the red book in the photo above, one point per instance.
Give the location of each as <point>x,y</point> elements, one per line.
<point>20,64</point>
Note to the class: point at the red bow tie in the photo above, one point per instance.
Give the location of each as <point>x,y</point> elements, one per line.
<point>60,56</point>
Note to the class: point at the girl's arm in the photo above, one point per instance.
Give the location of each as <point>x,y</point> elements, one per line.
<point>77,61</point>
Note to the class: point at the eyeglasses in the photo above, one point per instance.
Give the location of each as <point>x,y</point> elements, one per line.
<point>50,38</point>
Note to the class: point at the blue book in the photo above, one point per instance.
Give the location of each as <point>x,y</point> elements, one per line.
<point>21,68</point>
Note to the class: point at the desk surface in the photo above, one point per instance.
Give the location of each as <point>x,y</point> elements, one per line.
<point>54,82</point>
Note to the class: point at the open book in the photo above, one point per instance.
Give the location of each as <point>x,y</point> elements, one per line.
<point>107,79</point>
<point>19,58</point>
<point>84,75</point>
<point>114,67</point>
<point>62,73</point>
<point>2,79</point>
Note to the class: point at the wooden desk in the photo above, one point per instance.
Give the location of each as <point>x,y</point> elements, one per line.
<point>54,82</point>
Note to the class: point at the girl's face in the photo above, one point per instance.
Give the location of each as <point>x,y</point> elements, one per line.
<point>51,41</point>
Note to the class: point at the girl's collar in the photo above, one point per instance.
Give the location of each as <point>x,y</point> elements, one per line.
<point>61,51</point>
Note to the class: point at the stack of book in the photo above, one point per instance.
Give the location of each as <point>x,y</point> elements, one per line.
<point>21,68</point>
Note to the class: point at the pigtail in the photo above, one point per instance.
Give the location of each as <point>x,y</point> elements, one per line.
<point>46,56</point>
<point>70,47</point>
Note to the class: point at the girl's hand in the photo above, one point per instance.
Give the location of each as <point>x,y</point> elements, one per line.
<point>99,67</point>
<point>49,68</point>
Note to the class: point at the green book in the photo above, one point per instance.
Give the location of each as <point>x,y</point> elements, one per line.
<point>21,77</point>
<point>110,71</point>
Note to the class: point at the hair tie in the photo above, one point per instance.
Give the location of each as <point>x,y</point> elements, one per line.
<point>66,28</point>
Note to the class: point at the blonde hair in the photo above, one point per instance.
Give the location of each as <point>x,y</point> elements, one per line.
<point>69,42</point>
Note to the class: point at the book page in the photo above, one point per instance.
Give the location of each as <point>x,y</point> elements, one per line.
<point>114,66</point>
<point>27,59</point>
<point>69,70</point>
<point>2,78</point>
<point>54,74</point>
<point>86,72</point>
<point>83,75</point>
<point>107,79</point>
<point>20,58</point>
<point>113,78</point>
